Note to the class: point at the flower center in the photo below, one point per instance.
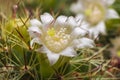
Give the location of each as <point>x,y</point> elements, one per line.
<point>51,32</point>
<point>57,40</point>
<point>95,12</point>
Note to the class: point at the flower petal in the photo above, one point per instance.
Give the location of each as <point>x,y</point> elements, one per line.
<point>111,13</point>
<point>69,51</point>
<point>80,18</point>
<point>46,18</point>
<point>83,43</point>
<point>71,21</point>
<point>94,31</point>
<point>61,20</point>
<point>76,7</point>
<point>108,2</point>
<point>101,28</point>
<point>53,58</point>
<point>35,40</point>
<point>35,22</point>
<point>34,31</point>
<point>77,32</point>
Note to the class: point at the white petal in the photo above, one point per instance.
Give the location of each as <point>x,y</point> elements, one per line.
<point>61,20</point>
<point>108,2</point>
<point>35,40</point>
<point>34,31</point>
<point>79,17</point>
<point>84,25</point>
<point>83,43</point>
<point>101,28</point>
<point>53,58</point>
<point>111,13</point>
<point>69,51</point>
<point>76,7</point>
<point>94,31</point>
<point>77,32</point>
<point>46,18</point>
<point>71,21</point>
<point>35,22</point>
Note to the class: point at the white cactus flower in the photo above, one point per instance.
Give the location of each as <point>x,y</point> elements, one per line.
<point>94,13</point>
<point>58,37</point>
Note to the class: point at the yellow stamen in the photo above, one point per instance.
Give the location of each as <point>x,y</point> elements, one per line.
<point>51,32</point>
<point>88,12</point>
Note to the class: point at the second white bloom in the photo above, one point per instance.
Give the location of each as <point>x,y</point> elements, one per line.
<point>94,13</point>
